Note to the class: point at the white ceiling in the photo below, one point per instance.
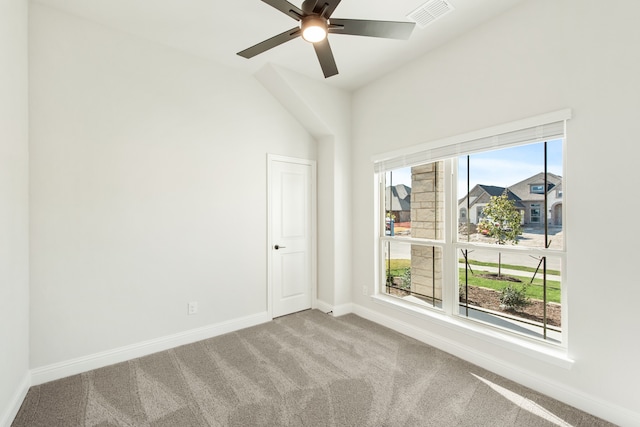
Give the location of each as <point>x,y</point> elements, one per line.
<point>218,29</point>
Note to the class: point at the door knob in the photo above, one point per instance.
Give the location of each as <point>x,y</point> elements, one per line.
<point>276,247</point>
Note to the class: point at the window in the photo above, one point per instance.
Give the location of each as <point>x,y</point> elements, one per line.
<point>468,250</point>
<point>537,188</point>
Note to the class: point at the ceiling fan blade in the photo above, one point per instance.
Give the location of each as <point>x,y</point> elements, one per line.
<point>384,29</point>
<point>270,43</point>
<point>325,56</point>
<point>287,8</point>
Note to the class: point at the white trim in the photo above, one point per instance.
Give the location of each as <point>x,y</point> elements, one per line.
<point>450,294</point>
<point>335,310</point>
<point>269,239</point>
<point>322,306</point>
<point>565,289</point>
<point>550,125</point>
<point>98,360</point>
<point>16,402</point>
<point>529,122</point>
<point>557,390</point>
<point>342,309</point>
<point>545,352</point>
<point>314,227</point>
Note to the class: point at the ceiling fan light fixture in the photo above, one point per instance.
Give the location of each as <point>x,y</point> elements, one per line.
<point>314,28</point>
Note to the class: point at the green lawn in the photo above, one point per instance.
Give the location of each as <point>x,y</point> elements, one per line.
<point>534,291</point>
<point>398,266</point>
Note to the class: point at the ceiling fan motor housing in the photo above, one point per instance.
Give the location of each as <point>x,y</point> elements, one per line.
<point>308,6</point>
<point>313,17</point>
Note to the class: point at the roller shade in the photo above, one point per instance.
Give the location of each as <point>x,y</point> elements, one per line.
<point>469,144</point>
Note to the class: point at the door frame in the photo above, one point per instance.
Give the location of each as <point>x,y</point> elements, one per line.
<point>314,226</point>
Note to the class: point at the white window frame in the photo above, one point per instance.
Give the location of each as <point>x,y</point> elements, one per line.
<point>449,149</point>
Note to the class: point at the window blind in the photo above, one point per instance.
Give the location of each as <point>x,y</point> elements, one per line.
<point>471,143</point>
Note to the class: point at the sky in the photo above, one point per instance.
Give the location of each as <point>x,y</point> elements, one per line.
<point>500,167</point>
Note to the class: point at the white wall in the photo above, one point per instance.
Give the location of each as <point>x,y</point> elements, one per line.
<point>148,179</point>
<point>326,113</point>
<point>14,211</point>
<point>539,57</point>
<point>141,154</point>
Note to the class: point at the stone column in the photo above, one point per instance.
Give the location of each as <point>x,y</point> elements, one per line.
<point>427,222</point>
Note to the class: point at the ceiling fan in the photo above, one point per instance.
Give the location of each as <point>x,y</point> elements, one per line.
<point>314,25</point>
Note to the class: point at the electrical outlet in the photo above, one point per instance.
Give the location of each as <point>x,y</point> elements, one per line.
<point>365,290</point>
<point>192,308</point>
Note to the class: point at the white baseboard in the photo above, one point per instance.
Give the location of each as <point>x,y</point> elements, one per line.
<point>335,310</point>
<point>569,395</point>
<point>323,306</point>
<point>83,364</point>
<point>341,310</point>
<point>13,408</point>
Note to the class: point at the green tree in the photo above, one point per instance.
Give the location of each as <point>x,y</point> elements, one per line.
<point>501,220</point>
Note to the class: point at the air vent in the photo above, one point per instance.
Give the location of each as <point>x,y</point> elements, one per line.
<point>429,12</point>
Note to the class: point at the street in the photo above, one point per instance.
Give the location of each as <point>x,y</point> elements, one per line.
<point>528,238</point>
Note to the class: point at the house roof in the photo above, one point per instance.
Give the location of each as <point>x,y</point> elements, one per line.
<point>523,188</point>
<point>492,190</point>
<point>481,193</point>
<point>402,191</point>
<point>519,192</point>
<point>400,198</point>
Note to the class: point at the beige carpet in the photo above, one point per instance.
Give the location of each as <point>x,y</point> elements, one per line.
<point>306,369</point>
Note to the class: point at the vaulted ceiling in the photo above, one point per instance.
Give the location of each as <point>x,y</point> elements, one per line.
<point>216,30</point>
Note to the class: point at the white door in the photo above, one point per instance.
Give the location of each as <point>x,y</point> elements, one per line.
<point>292,234</point>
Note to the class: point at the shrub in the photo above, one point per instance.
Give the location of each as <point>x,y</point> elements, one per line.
<point>406,278</point>
<point>389,280</point>
<point>514,297</point>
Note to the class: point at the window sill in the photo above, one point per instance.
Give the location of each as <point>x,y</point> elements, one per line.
<point>548,353</point>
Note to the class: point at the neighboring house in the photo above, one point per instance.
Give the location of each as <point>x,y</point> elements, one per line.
<point>528,197</point>
<point>400,197</point>
<point>479,197</point>
<point>531,192</point>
